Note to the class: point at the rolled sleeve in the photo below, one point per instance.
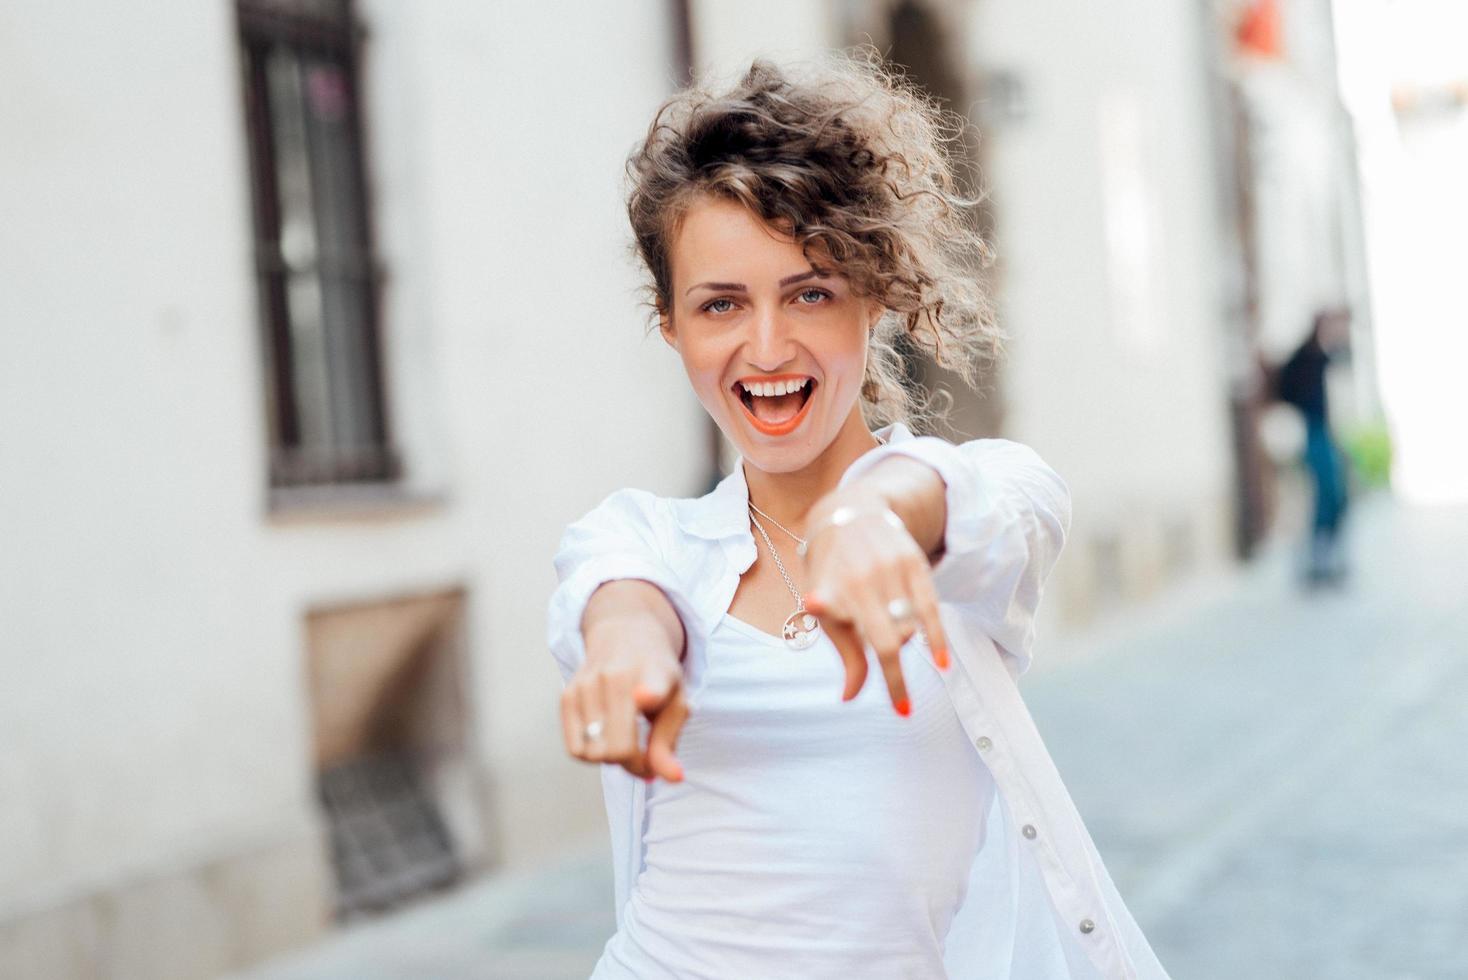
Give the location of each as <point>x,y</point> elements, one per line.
<point>1008,517</point>
<point>617,539</point>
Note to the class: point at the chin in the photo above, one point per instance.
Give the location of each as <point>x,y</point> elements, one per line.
<point>778,462</point>
<point>788,457</point>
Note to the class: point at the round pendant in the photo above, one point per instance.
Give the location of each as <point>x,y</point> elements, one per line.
<point>801,629</point>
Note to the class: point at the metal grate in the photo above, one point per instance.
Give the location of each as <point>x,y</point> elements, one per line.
<point>388,841</point>
<point>318,272</point>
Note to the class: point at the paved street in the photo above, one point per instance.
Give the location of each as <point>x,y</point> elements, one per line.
<point>1276,780</point>
<point>1302,764</point>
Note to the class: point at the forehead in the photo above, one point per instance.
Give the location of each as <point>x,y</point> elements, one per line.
<point>722,238</point>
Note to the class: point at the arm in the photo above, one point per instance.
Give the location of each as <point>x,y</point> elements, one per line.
<point>616,627</point>
<point>916,493</point>
<point>616,541</point>
<point>636,606</point>
<point>1006,516</point>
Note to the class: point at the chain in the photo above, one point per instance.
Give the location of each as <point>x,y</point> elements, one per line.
<point>789,584</point>
<point>880,442</point>
<point>777,523</point>
<point>799,599</point>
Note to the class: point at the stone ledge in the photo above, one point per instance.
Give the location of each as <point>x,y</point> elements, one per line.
<point>196,923</point>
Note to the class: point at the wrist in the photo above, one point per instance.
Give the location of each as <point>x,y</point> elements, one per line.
<point>868,507</point>
<point>631,630</point>
<point>915,490</point>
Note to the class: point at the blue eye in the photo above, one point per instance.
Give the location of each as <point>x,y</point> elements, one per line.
<point>709,306</point>
<point>820,294</point>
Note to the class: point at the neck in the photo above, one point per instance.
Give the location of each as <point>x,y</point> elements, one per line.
<point>787,497</point>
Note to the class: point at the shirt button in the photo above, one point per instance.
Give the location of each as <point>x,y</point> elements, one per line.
<point>983,743</point>
<point>1029,831</point>
<point>1087,925</point>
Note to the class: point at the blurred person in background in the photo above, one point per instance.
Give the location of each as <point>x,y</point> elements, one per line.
<point>795,229</point>
<point>1301,383</point>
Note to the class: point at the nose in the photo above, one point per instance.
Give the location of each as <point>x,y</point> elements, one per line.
<point>771,342</point>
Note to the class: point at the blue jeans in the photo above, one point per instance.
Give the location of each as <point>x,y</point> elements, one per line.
<point>1328,470</point>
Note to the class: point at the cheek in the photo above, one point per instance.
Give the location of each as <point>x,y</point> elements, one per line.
<point>705,374</point>
<point>846,360</point>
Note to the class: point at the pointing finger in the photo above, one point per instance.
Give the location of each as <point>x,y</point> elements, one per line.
<point>876,624</point>
<point>663,738</point>
<point>853,655</point>
<point>925,604</point>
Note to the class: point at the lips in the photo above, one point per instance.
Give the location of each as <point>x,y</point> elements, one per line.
<point>780,426</point>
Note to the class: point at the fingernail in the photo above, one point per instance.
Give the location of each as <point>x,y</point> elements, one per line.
<point>942,657</point>
<point>904,708</point>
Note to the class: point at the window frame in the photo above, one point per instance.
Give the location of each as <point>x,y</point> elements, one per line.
<point>329,32</point>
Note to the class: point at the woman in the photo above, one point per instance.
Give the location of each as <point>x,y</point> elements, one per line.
<point>795,230</point>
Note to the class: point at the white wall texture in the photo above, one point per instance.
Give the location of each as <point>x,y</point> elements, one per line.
<point>1107,243</point>
<point>727,36</point>
<point>153,709</point>
<point>150,685</point>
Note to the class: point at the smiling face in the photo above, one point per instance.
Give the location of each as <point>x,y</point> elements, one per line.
<point>774,346</point>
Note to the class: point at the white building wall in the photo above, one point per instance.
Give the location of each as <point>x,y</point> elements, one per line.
<point>154,706</point>
<point>1301,163</point>
<point>1103,195</point>
<point>150,683</point>
<point>727,36</point>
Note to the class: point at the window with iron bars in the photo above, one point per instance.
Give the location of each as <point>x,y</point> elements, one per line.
<point>318,277</point>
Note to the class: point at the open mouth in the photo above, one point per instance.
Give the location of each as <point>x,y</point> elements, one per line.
<point>776,406</point>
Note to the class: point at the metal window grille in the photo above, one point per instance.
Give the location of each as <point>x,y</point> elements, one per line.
<point>388,841</point>
<point>317,278</point>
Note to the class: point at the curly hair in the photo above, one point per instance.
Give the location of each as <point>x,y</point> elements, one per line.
<point>850,159</point>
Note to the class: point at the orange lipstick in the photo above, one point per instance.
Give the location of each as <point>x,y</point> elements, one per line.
<point>790,424</point>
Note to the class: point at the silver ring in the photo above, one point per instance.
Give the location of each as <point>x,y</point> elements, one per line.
<point>593,730</point>
<point>900,609</point>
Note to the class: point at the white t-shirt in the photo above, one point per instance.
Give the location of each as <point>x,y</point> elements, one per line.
<point>810,837</point>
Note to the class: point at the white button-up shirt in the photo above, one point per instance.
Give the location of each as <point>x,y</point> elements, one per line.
<point>1008,516</point>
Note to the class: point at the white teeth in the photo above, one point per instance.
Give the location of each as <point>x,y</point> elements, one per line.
<point>771,388</point>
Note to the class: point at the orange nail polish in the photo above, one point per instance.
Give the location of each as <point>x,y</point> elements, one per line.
<point>904,707</point>
<point>942,658</point>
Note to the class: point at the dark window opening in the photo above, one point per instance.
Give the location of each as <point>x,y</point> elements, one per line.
<point>317,275</point>
<point>397,782</point>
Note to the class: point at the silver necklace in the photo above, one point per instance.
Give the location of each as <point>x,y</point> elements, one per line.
<point>777,523</point>
<point>801,627</point>
<point>798,538</point>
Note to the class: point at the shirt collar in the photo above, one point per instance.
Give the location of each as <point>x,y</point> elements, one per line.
<point>723,512</point>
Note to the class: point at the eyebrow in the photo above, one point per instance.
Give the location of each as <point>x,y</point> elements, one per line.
<point>739,287</point>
